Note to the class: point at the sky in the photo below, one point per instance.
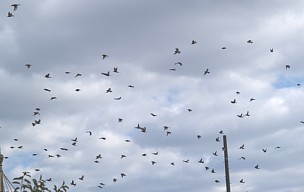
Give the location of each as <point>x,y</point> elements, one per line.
<point>185,94</point>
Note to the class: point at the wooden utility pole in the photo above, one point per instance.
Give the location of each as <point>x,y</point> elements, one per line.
<point>226,164</point>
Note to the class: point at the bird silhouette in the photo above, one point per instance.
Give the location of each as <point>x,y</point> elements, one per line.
<point>242,147</point>
<point>48,90</point>
<point>193,42</point>
<point>242,158</point>
<point>28,65</point>
<point>287,67</point>
<point>206,71</point>
<point>153,114</point>
<point>122,175</point>
<point>242,181</point>
<point>198,136</point>
<point>106,74</point>
<point>271,50</point>
<point>249,41</point>
<point>104,56</point>
<point>15,6</point>
<point>10,14</point>
<point>90,132</point>
<point>47,75</point>
<point>78,75</point>
<point>215,153</point>
<point>201,160</point>
<point>81,178</point>
<point>178,63</point>
<point>115,70</point>
<point>233,101</point>
<point>264,150</point>
<point>153,162</point>
<point>109,90</point>
<point>117,98</point>
<point>73,183</point>
<point>257,167</point>
<point>177,51</point>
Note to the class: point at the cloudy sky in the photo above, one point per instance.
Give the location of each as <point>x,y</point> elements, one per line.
<point>249,93</point>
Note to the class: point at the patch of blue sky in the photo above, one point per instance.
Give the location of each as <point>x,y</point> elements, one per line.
<point>288,81</point>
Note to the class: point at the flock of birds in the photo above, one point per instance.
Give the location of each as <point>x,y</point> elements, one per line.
<point>98,158</point>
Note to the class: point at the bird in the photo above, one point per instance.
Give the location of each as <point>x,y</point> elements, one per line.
<point>215,153</point>
<point>73,183</point>
<point>172,69</point>
<point>106,74</point>
<point>172,163</point>
<point>15,6</point>
<point>271,50</point>
<point>177,51</point>
<point>237,92</point>
<point>155,153</point>
<point>168,133</point>
<point>48,90</point>
<point>198,136</point>
<point>193,42</point>
<point>47,75</point>
<point>10,14</point>
<point>52,98</point>
<point>224,47</point>
<point>77,90</point>
<point>114,180</point>
<point>109,90</point>
<point>217,139</point>
<point>117,98</point>
<point>178,63</point>
<point>28,65</point>
<point>90,132</point>
<point>115,70</point>
<point>81,178</point>
<point>221,132</point>
<point>122,175</point>
<point>217,181</point>
<point>206,71</point>
<point>240,115</point>
<point>166,127</point>
<point>77,75</point>
<point>120,120</point>
<point>127,140</point>
<point>186,161</point>
<point>63,149</point>
<point>98,156</point>
<point>257,167</point>
<point>131,86</point>
<point>249,41</point>
<point>233,101</point>
<point>201,160</point>
<point>75,140</point>
<point>103,138</point>
<point>242,147</point>
<point>68,72</point>
<point>243,158</point>
<point>104,56</point>
<point>242,181</point>
<point>189,110</point>
<point>264,150</point>
<point>252,99</point>
<point>122,156</point>
<point>247,114</point>
<point>213,171</point>
<point>287,67</point>
<point>153,114</point>
<point>153,162</point>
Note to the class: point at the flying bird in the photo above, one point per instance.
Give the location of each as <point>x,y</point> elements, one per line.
<point>15,6</point>
<point>115,70</point>
<point>48,90</point>
<point>28,65</point>
<point>177,51</point>
<point>242,147</point>
<point>178,63</point>
<point>90,132</point>
<point>206,71</point>
<point>287,67</point>
<point>193,42</point>
<point>104,56</point>
<point>271,50</point>
<point>106,74</point>
<point>242,181</point>
<point>47,75</point>
<point>77,75</point>
<point>233,101</point>
<point>257,167</point>
<point>264,150</point>
<point>249,41</point>
<point>10,14</point>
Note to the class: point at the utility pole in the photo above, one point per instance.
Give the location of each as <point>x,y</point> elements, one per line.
<point>1,173</point>
<point>226,163</point>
